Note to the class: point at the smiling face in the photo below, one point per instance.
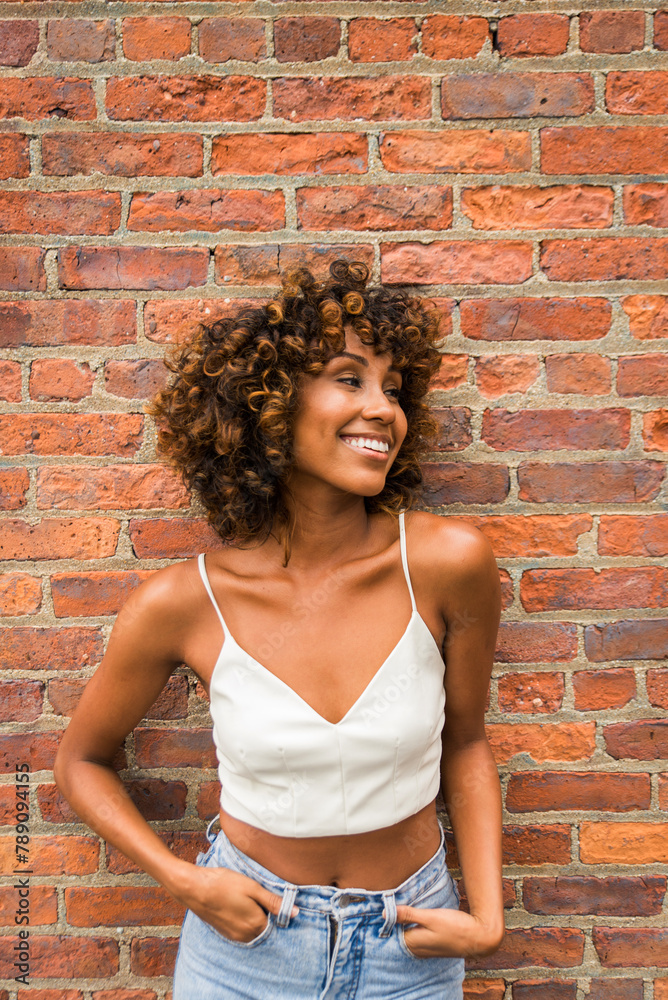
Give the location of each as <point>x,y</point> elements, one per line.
<point>350,426</point>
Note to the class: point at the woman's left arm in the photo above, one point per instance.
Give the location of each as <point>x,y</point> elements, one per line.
<point>469,776</point>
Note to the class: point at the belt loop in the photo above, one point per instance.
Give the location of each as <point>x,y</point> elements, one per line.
<point>390,907</point>
<point>288,901</point>
<point>208,830</point>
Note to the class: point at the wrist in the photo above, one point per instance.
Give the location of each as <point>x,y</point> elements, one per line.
<point>179,879</point>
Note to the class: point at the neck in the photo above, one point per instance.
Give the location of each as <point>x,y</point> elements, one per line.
<point>327,526</point>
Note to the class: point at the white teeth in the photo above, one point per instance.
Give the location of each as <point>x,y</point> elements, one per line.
<point>369,443</point>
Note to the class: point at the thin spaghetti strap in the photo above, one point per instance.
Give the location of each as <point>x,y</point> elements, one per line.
<point>404,558</point>
<point>205,580</point>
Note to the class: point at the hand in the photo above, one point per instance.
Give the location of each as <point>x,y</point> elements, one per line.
<point>235,905</point>
<point>447,933</point>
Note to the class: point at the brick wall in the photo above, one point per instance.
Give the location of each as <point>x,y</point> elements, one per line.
<point>157,160</point>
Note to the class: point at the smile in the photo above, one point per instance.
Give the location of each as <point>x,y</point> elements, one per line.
<point>367,446</point>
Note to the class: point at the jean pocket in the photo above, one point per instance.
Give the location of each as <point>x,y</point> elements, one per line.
<point>254,942</point>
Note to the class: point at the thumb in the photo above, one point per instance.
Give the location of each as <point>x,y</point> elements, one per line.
<point>408,915</point>
<point>271,902</point>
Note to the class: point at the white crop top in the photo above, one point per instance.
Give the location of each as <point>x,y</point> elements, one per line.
<point>287,770</point>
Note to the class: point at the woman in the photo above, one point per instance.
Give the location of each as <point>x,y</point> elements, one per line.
<point>320,632</point>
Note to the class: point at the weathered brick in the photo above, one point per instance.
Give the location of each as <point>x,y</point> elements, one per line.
<point>646,739</point>
<point>657,688</point>
<point>46,96</point>
<point>619,989</point>
<point>171,538</point>
<point>627,640</point>
<point>10,381</point>
<point>225,38</point>
<point>371,39</point>
<point>50,648</point>
<point>14,484</point>
<point>604,259</point>
<point>21,700</point>
<point>93,213</point>
<point>532,35</point>
<point>391,207</point>
<point>81,40</point>
<point>548,791</point>
<point>542,741</point>
<point>531,692</point>
<point>98,593</point>
<point>579,588</point>
<point>299,153</point>
<point>535,319</point>
<point>45,323</point>
<point>536,845</point>
<point>545,989</point>
<point>623,844</point>
<point>56,379</point>
<point>517,95</point>
<point>122,154</point>
<point>207,210</point>
<point>484,989</point>
<point>18,42</point>
<point>635,92</point>
<point>499,374</point>
<point>37,749</point>
<point>640,947</point>
<point>464,482</point>
<point>109,487</point>
<point>621,535</point>
<point>586,374</point>
<point>125,994</point>
<point>14,156</point>
<point>306,39</point>
<point>552,947</point>
<point>648,315</point>
<point>43,906</point>
<point>59,538</point>
<point>252,265</point>
<point>448,36</point>
<point>20,594</point>
<point>567,206</point>
<point>655,430</point>
<point>147,268</point>
<point>134,379</point>
<point>174,748</point>
<point>453,371</point>
<point>71,433</point>
<point>67,855</point>
<point>386,98</point>
<point>581,430</point>
<point>153,956</point>
<point>536,642</point>
<point>454,428</point>
<point>607,149</point>
<point>185,845</point>
<point>594,690</point>
<point>146,38</point>
<point>584,482</point>
<point>646,205</point>
<point>199,98</point>
<point>60,956</point>
<point>128,906</point>
<point>459,261</point>
<point>462,151</point>
<point>643,375</point>
<point>612,30</point>
<point>661,30</point>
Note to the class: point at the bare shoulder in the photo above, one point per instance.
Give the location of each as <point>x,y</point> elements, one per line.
<point>450,546</point>
<point>167,600</point>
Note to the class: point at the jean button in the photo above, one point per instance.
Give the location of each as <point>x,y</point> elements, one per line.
<point>344,900</point>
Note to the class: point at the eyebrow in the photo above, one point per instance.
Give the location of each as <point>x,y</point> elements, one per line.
<point>360,359</point>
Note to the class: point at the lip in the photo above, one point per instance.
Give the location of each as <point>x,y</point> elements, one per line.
<point>378,456</point>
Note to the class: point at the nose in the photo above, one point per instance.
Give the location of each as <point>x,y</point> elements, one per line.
<point>377,406</point>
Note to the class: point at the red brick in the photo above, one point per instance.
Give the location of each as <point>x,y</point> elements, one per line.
<point>390,207</point>
<point>171,538</point>
<point>536,642</point>
<point>299,153</point>
<point>627,640</point>
<point>43,906</point>
<point>371,39</point>
<point>531,693</point>
<point>552,947</point>
<point>589,482</point>
<point>621,535</point>
<point>183,844</point>
<point>306,39</point>
<point>124,994</point>
<point>542,741</point>
<point>45,96</point>
<point>536,845</point>
<point>617,989</point>
<point>655,430</point>
<point>545,989</point>
<point>605,259</point>
<point>484,989</point>
<point>207,211</point>
<point>224,38</point>
<point>586,374</point>
<point>76,40</point>
<point>93,213</point>
<point>134,379</point>
<point>55,379</point>
<point>148,268</point>
<point>498,374</point>
<point>21,700</point>
<point>464,482</point>
<point>458,151</point>
<point>259,265</point>
<point>59,538</point>
<point>597,689</point>
<point>533,35</point>
<point>548,791</point>
<point>37,749</point>
<point>101,593</point>
<point>581,430</point>
<point>198,98</point>
<point>208,799</point>
<point>20,594</point>
<point>447,36</point>
<point>612,30</point>
<point>18,42</point>
<point>146,38</point>
<point>59,956</point>
<point>623,843</point>
<point>643,375</point>
<point>45,323</point>
<point>535,319</point>
<point>122,154</point>
<point>517,95</point>
<point>579,588</point>
<point>49,648</point>
<point>386,98</point>
<point>608,149</point>
<point>454,428</point>
<point>661,30</point>
<point>153,956</point>
<point>125,906</point>
<point>109,487</point>
<point>458,262</point>
<point>69,855</point>
<point>71,433</point>
<point>14,484</point>
<point>646,205</point>
<point>14,156</point>
<point>174,748</point>
<point>452,373</point>
<point>567,206</point>
<point>657,688</point>
<point>646,739</point>
<point>641,947</point>
<point>32,994</point>
<point>663,792</point>
<point>10,381</point>
<point>634,92</point>
<point>648,315</point>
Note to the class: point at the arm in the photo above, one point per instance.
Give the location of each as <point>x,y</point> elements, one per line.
<point>146,644</point>
<point>469,777</point>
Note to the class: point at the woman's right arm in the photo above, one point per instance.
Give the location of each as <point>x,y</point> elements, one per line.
<point>146,644</point>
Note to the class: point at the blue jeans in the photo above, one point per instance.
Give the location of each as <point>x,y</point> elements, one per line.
<point>339,947</point>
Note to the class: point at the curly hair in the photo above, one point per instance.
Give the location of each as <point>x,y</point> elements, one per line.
<point>226,416</point>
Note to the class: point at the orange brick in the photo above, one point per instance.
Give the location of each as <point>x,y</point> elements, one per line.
<point>451,373</point>
<point>375,207</point>
<point>657,688</point>
<point>598,689</point>
<point>20,594</point>
<point>60,957</point>
<point>646,205</point>
<point>67,855</point>
<point>498,374</point>
<point>71,434</point>
<point>56,379</point>
<point>109,487</point>
<point>612,30</point>
<point>459,261</point>
<point>623,843</point>
<point>636,92</point>
<point>625,535</point>
<point>126,906</point>
<point>10,381</point>
<point>531,693</point>
<point>533,35</point>
<point>186,98</point>
<point>587,374</point>
<point>49,648</point>
<point>43,905</point>
<point>447,36</point>
<point>655,430</point>
<point>547,791</point>
<point>542,741</point>
<point>21,700</point>
<point>96,593</point>
<point>225,38</point>
<point>147,38</point>
<point>60,538</point>
<point>371,39</point>
<point>299,153</point>
<point>521,535</point>
<point>207,211</point>
<point>386,98</point>
<point>457,151</point>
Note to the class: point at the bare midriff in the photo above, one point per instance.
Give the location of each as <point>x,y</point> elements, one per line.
<point>377,860</point>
